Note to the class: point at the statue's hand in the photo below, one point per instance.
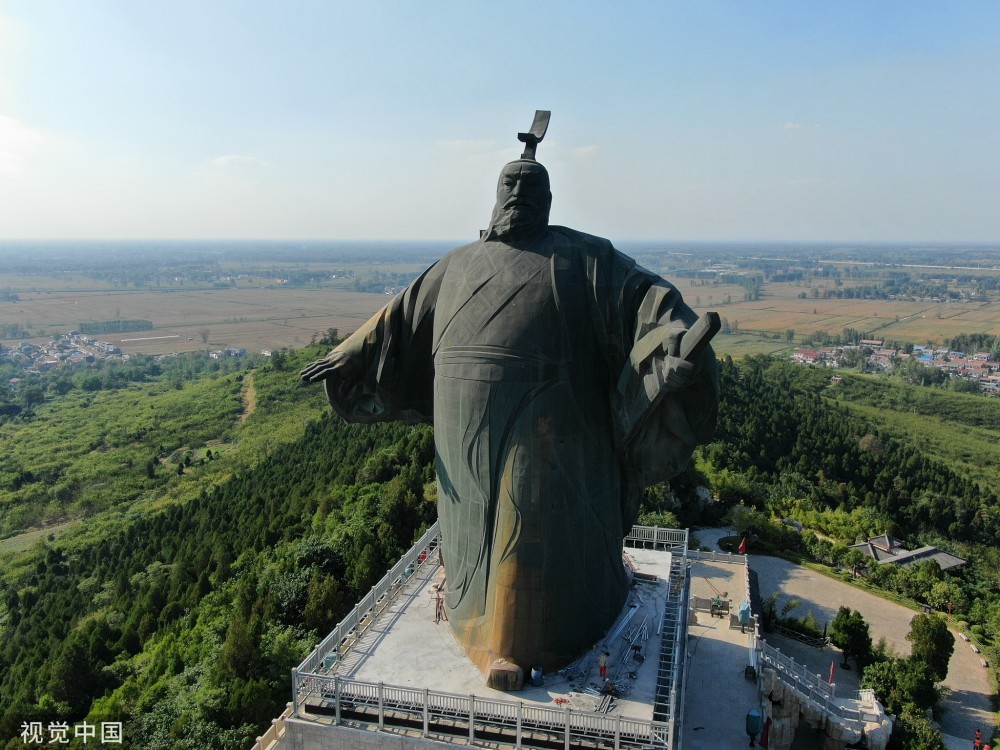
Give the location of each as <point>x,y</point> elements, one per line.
<point>315,370</point>
<point>653,371</point>
<point>655,365</point>
<point>334,366</point>
<point>673,373</point>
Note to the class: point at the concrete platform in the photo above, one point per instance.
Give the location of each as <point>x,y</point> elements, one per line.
<point>717,696</point>
<point>407,647</point>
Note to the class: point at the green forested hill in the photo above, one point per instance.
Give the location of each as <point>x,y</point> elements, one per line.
<point>183,621</point>
<point>960,430</point>
<point>181,608</point>
<point>786,430</point>
<point>121,435</point>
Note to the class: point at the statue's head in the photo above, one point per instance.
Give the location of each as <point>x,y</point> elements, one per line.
<point>523,200</point>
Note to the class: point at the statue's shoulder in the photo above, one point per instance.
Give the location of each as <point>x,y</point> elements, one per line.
<point>582,240</point>
<point>585,245</point>
<point>465,248</point>
<point>460,252</point>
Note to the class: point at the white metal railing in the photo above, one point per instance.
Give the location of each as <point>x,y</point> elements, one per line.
<point>378,703</point>
<point>348,630</point>
<point>725,557</point>
<point>656,537</point>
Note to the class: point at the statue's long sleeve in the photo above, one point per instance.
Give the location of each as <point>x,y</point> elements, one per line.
<point>384,371</point>
<point>666,405</point>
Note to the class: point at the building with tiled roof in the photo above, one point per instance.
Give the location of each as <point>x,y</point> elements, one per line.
<point>888,549</point>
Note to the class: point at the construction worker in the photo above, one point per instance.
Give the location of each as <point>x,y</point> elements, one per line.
<point>602,665</point>
<point>439,611</point>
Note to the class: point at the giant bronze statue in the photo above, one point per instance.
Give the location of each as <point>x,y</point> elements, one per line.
<point>562,379</point>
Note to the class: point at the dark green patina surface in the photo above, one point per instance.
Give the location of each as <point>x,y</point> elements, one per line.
<point>546,361</point>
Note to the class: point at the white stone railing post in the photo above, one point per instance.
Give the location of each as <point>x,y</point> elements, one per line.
<point>381,706</point>
<point>336,697</point>
<point>472,719</point>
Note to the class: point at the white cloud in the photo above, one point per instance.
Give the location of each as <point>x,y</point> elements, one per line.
<point>236,161</point>
<point>583,152</point>
<point>801,126</point>
<point>17,143</point>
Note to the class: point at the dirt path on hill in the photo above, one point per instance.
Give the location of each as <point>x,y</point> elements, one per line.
<point>249,397</point>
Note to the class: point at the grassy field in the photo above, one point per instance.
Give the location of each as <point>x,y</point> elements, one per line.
<point>20,542</point>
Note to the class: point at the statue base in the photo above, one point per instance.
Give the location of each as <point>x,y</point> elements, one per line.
<point>505,675</point>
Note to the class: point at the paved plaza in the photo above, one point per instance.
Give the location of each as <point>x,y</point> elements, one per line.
<point>968,696</point>
<point>718,695</point>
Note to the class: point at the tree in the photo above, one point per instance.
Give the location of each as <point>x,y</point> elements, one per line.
<point>790,335</point>
<point>855,559</point>
<point>331,337</point>
<point>204,335</point>
<point>899,683</point>
<point>32,396</point>
<point>932,643</point>
<point>916,731</point>
<point>849,633</point>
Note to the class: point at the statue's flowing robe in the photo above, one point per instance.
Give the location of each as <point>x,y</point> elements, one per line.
<point>516,353</point>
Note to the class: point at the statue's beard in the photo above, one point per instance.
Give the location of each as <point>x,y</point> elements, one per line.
<point>516,221</point>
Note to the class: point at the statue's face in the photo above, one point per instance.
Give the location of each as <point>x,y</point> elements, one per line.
<point>524,185</point>
<point>523,199</point>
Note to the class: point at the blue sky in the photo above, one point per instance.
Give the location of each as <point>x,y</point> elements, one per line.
<point>846,121</point>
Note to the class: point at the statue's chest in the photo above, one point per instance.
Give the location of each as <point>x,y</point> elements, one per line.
<point>504,297</point>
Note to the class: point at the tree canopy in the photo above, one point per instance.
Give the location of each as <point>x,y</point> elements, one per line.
<point>849,632</point>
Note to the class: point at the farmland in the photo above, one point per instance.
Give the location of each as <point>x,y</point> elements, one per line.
<point>247,298</point>
<point>251,318</point>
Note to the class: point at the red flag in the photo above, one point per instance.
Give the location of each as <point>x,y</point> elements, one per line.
<point>743,546</point>
<point>831,672</point>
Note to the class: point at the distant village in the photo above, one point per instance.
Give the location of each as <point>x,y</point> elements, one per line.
<point>72,348</point>
<point>75,348</point>
<point>876,357</point>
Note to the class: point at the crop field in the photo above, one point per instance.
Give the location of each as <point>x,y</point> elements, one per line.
<point>262,318</point>
<point>257,312</point>
<point>779,309</point>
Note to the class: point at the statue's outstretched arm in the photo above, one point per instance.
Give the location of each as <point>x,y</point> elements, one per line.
<point>345,371</point>
<point>384,370</point>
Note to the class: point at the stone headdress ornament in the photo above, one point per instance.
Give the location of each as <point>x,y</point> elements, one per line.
<point>534,136</point>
